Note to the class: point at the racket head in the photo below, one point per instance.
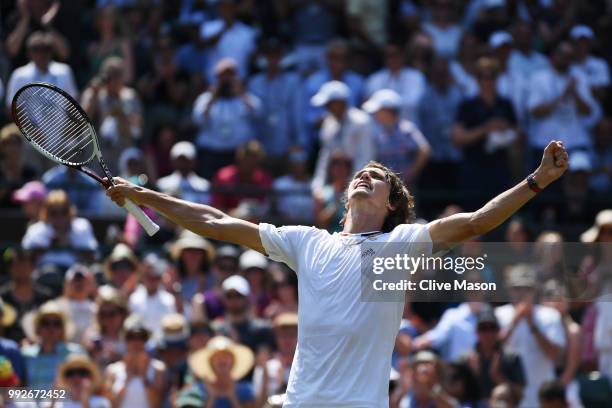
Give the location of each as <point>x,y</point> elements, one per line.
<point>55,124</point>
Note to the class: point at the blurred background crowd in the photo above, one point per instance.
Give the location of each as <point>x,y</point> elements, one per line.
<point>264,109</point>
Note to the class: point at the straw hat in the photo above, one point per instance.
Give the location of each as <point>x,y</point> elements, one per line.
<point>78,360</point>
<point>9,315</point>
<point>31,320</point>
<point>604,218</point>
<point>199,362</point>
<point>188,239</point>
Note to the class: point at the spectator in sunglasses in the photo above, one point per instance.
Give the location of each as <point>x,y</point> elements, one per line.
<point>492,364</point>
<point>137,380</point>
<point>48,328</point>
<point>104,339</point>
<point>81,379</point>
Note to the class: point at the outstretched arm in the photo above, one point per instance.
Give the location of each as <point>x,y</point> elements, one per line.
<point>199,218</point>
<point>457,228</point>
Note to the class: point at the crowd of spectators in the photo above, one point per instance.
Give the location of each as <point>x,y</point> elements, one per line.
<point>264,109</point>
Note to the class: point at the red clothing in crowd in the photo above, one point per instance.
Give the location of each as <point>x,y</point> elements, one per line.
<point>228,177</point>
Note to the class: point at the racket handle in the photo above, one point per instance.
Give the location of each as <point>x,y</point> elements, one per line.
<point>143,219</point>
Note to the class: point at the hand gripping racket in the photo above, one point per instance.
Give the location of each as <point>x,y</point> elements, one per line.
<point>54,123</point>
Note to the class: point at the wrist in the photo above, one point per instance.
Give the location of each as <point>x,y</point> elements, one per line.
<point>539,178</point>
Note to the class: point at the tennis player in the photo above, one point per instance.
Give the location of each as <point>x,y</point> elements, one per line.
<point>343,356</point>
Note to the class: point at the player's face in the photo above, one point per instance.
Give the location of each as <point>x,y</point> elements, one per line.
<point>370,183</point>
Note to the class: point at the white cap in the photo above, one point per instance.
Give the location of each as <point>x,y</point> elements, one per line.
<point>494,3</point>
<point>383,99</point>
<point>157,264</point>
<point>580,161</point>
<point>582,31</point>
<point>237,283</point>
<point>331,91</point>
<point>500,38</point>
<point>186,149</point>
<point>252,259</point>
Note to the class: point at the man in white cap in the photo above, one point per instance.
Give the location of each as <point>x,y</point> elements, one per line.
<point>151,301</point>
<point>594,68</point>
<point>400,145</point>
<point>344,342</point>
<point>184,182</point>
<point>239,321</point>
<point>344,127</point>
<point>533,331</point>
<point>509,84</point>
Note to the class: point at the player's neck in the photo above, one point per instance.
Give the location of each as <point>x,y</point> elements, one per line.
<point>363,219</point>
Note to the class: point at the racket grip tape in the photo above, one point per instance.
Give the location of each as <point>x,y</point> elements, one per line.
<point>143,219</point>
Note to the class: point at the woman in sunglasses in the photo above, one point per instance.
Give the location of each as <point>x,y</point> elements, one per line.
<point>81,379</point>
<point>104,340</point>
<point>137,380</point>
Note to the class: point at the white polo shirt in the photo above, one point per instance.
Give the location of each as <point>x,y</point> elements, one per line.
<point>537,366</point>
<point>343,355</point>
<point>58,74</point>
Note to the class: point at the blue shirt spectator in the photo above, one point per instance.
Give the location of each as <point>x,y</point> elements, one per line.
<point>279,93</point>
<point>437,112</point>
<point>84,192</point>
<point>225,114</point>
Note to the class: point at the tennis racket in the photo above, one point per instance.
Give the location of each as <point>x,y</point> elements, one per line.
<point>56,125</point>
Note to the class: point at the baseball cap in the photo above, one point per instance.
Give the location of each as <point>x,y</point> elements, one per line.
<point>77,270</point>
<point>32,190</point>
<point>522,275</point>
<point>486,314</point>
<point>582,31</point>
<point>331,91</point>
<point>157,264</point>
<point>237,283</point>
<point>424,356</point>
<point>383,99</point>
<point>225,64</point>
<point>186,149</point>
<point>499,39</point>
<point>252,259</point>
<point>227,251</point>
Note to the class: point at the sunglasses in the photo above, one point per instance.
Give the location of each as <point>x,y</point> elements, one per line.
<point>233,295</point>
<point>52,323</point>
<point>78,372</point>
<point>108,314</point>
<point>487,327</point>
<point>138,336</point>
<point>57,212</point>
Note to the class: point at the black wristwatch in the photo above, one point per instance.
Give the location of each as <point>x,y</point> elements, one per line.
<point>533,185</point>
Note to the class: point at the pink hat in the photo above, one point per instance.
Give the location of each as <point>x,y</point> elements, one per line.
<point>32,190</point>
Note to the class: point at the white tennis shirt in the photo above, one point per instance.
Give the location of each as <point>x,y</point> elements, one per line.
<point>343,356</point>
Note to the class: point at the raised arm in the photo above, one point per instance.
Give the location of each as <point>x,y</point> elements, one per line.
<point>457,228</point>
<point>199,218</point>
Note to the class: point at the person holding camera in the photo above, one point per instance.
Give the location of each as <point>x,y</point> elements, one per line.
<point>115,108</point>
<point>225,115</point>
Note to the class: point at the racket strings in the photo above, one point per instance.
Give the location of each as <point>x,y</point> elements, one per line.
<point>55,125</point>
<point>61,134</point>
